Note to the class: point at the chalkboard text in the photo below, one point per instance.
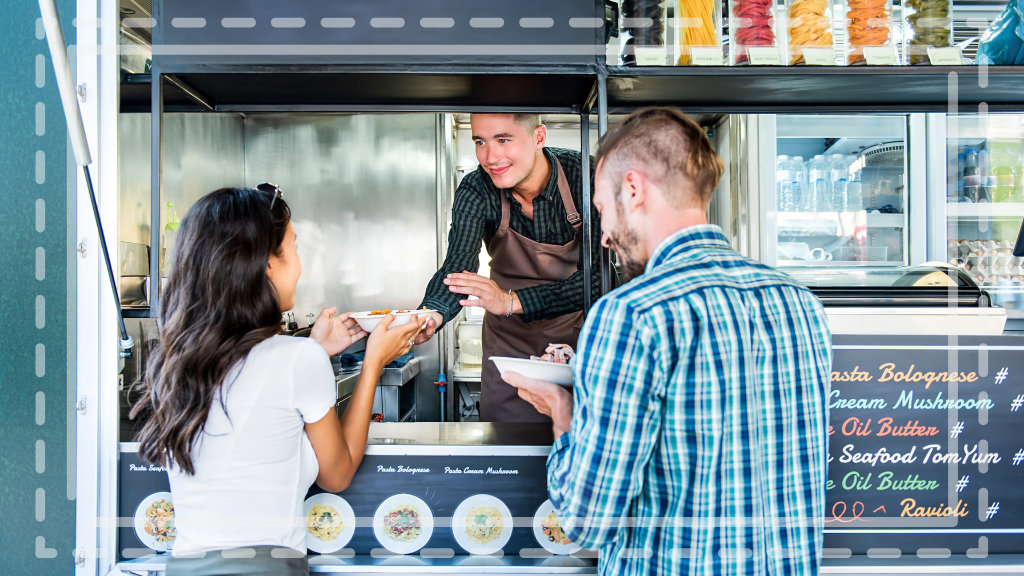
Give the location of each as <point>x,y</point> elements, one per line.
<point>911,509</point>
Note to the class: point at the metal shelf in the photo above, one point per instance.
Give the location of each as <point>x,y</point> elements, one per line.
<point>356,88</point>
<point>986,210</point>
<point>765,89</point>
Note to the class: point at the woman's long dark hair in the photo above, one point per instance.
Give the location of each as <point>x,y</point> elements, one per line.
<point>218,305</point>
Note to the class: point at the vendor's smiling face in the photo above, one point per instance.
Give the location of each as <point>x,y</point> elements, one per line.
<point>506,150</point>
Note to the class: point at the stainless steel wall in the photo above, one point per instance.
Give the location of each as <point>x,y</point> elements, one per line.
<point>363,194</point>
<point>202,152</point>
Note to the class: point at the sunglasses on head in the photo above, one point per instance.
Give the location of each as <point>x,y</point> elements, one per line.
<point>272,189</point>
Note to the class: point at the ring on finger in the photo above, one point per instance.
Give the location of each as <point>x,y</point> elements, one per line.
<point>410,342</point>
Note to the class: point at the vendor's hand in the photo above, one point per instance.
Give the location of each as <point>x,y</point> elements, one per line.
<point>549,399</point>
<point>434,319</point>
<point>490,296</point>
<point>386,343</point>
<point>337,333</point>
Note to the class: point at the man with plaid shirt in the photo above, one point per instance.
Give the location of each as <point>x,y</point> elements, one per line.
<point>695,438</point>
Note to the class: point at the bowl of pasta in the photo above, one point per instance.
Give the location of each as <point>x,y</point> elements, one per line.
<point>370,319</point>
<point>330,522</point>
<point>482,524</point>
<point>154,522</point>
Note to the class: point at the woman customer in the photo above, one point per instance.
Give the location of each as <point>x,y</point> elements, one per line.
<point>243,417</point>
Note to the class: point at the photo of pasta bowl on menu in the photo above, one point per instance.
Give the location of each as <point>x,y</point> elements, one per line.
<point>330,523</point>
<point>154,522</point>
<point>550,534</point>
<point>370,319</point>
<point>403,524</point>
<point>482,524</point>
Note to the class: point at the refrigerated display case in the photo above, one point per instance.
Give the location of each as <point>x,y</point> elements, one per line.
<point>838,196</point>
<point>985,203</point>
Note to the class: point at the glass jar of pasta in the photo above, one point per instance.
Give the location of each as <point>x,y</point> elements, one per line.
<point>868,24</point>
<point>810,28</point>
<point>927,23</point>
<point>698,26</point>
<point>752,24</point>
<point>643,21</point>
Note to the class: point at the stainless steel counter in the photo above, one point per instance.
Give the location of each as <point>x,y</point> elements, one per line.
<point>462,434</point>
<point>854,566</point>
<point>413,564</point>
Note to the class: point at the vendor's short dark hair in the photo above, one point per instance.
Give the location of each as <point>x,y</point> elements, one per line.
<point>669,148</point>
<point>528,121</point>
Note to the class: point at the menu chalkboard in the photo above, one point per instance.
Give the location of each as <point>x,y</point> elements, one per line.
<point>926,450</point>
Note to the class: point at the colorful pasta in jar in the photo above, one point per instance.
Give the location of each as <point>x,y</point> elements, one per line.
<point>868,23</point>
<point>698,25</point>
<point>928,23</point>
<point>810,26</point>
<point>751,23</point>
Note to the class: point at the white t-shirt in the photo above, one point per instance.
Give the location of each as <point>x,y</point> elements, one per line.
<point>254,465</point>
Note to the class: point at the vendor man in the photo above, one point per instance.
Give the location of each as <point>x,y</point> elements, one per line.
<point>523,202</point>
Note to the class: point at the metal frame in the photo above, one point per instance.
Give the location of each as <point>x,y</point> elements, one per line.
<point>96,353</point>
<point>915,183</point>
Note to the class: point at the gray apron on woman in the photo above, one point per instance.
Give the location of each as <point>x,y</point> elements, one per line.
<point>516,263</point>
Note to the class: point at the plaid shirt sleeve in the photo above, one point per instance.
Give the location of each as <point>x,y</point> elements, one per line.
<point>595,470</point>
<point>464,241</point>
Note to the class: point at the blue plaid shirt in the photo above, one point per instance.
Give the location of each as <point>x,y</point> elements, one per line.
<point>699,436</point>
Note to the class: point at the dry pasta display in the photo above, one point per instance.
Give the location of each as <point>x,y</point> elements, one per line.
<point>928,23</point>
<point>698,26</point>
<point>810,26</point>
<point>868,23</point>
<point>751,23</point>
<point>644,20</point>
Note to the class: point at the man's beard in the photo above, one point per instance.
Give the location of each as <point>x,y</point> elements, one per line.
<point>626,243</point>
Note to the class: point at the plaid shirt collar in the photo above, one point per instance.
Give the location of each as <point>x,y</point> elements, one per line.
<point>687,240</point>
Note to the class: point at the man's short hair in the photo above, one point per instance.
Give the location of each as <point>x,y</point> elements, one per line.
<point>528,121</point>
<point>667,147</point>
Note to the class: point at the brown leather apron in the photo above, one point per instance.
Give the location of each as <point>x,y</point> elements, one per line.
<point>518,262</point>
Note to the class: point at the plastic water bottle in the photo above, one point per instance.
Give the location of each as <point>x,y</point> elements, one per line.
<point>838,175</point>
<point>783,184</point>
<point>816,198</point>
<point>798,172</point>
<point>854,192</point>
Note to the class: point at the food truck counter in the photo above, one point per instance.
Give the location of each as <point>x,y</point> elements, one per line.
<point>937,416</point>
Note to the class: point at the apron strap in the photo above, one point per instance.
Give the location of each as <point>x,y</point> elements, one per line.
<point>506,209</point>
<point>567,201</point>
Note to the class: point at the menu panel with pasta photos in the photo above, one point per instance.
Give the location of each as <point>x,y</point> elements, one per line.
<point>469,504</point>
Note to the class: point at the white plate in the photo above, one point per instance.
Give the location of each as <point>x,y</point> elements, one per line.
<point>369,321</point>
<point>147,539</point>
<point>538,532</point>
<point>459,524</point>
<point>536,369</point>
<point>426,523</point>
<point>347,515</point>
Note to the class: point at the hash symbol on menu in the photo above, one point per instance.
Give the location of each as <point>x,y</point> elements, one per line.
<point>992,510</point>
<point>1001,375</point>
<point>1017,403</point>
<point>955,432</point>
<point>962,483</point>
<point>1018,457</point>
